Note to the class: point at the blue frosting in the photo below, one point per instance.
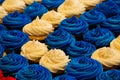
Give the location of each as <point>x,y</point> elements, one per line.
<point>117,2</point>
<point>109,75</point>
<point>59,39</point>
<point>99,36</point>
<point>51,4</point>
<point>2,49</point>
<point>112,23</point>
<point>35,9</point>
<point>12,63</point>
<point>2,27</point>
<point>34,72</point>
<point>16,20</point>
<point>13,39</point>
<point>93,17</point>
<point>84,68</point>
<point>1,1</point>
<point>64,77</point>
<point>74,25</point>
<point>108,8</point>
<point>80,48</point>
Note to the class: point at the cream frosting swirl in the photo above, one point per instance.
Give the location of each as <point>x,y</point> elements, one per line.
<point>3,13</point>
<point>107,56</point>
<point>14,5</point>
<point>31,1</point>
<point>34,50</point>
<point>53,17</point>
<point>38,29</point>
<point>71,7</point>
<point>55,60</point>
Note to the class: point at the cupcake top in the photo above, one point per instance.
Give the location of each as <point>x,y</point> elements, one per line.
<point>115,44</point>
<point>108,8</point>
<point>74,25</point>
<point>38,28</point>
<point>34,72</point>
<point>112,23</point>
<point>71,7</point>
<point>59,39</point>
<point>80,48</point>
<point>51,4</point>
<point>55,60</point>
<point>14,5</point>
<point>35,9</point>
<point>99,36</point>
<point>109,57</point>
<point>3,13</point>
<point>16,20</point>
<point>2,49</point>
<point>34,50</point>
<point>31,1</point>
<point>13,39</point>
<point>109,75</point>
<point>64,77</point>
<point>93,17</point>
<point>53,17</point>
<point>84,68</point>
<point>12,63</point>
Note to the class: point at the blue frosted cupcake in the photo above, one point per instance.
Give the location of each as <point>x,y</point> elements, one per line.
<point>109,75</point>
<point>64,77</point>
<point>108,8</point>
<point>2,27</point>
<point>59,39</point>
<point>34,72</point>
<point>16,20</point>
<point>74,25</point>
<point>93,17</point>
<point>52,4</point>
<point>80,48</point>
<point>2,49</point>
<point>12,63</point>
<point>35,9</point>
<point>99,36</point>
<point>84,68</point>
<point>113,24</point>
<point>13,39</point>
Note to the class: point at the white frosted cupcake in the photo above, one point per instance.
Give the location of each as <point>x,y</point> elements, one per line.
<point>53,17</point>
<point>34,50</point>
<point>3,13</point>
<point>14,5</point>
<point>38,29</point>
<point>71,7</point>
<point>55,60</point>
<point>31,1</point>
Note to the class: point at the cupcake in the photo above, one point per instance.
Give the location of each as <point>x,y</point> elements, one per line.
<point>84,68</point>
<point>13,39</point>
<point>71,7</point>
<point>108,57</point>
<point>89,4</point>
<point>28,2</point>
<point>93,17</point>
<point>55,60</point>
<point>80,48</point>
<point>108,8</point>
<point>53,17</point>
<point>64,77</point>
<point>59,39</point>
<point>16,20</point>
<point>74,25</point>
<point>52,4</point>
<point>34,50</point>
<point>113,24</point>
<point>109,75</point>
<point>3,13</point>
<point>12,63</point>
<point>34,72</point>
<point>99,36</point>
<point>35,9</point>
<point>2,49</point>
<point>38,29</point>
<point>14,5</point>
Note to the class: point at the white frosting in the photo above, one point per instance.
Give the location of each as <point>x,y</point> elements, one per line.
<point>34,50</point>
<point>55,60</point>
<point>31,1</point>
<point>3,13</point>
